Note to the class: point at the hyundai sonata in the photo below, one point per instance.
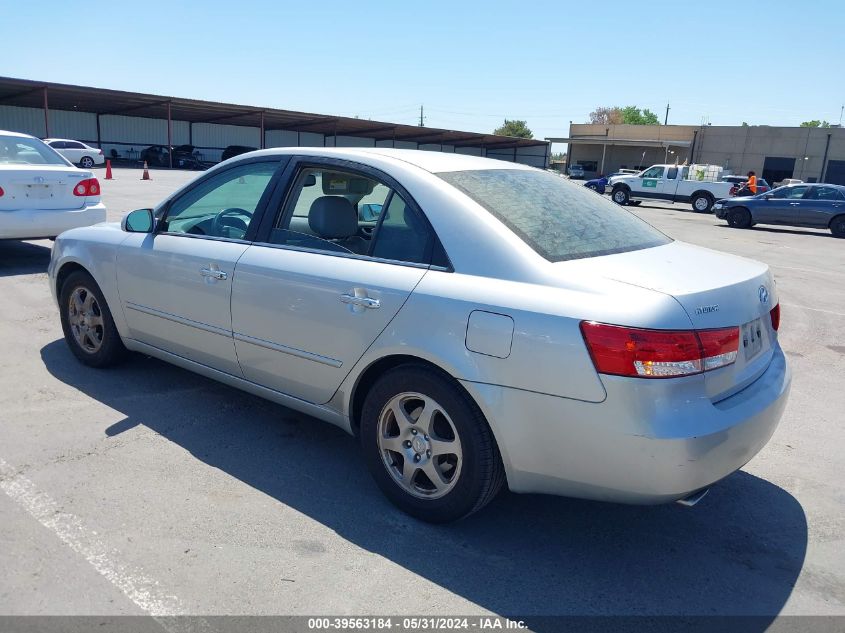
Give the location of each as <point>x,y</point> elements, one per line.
<point>474,323</point>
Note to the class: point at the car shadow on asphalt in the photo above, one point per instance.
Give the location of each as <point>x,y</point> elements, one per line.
<point>739,552</point>
<point>23,258</point>
<point>772,229</point>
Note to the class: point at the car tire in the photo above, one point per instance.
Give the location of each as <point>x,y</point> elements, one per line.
<point>593,187</point>
<point>87,162</point>
<point>621,195</point>
<point>702,203</point>
<point>837,226</point>
<point>440,469</point>
<point>739,218</point>
<point>87,322</point>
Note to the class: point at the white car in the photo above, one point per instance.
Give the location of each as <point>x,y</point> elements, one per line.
<point>41,193</point>
<point>77,152</point>
<point>476,323</point>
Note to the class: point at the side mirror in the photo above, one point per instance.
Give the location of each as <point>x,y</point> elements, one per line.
<point>767,196</point>
<point>138,221</point>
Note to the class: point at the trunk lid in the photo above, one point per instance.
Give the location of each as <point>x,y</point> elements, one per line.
<point>716,290</point>
<point>46,187</point>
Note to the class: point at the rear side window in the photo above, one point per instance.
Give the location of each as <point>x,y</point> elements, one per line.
<point>556,218</point>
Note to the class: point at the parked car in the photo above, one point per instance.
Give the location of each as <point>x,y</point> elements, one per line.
<point>77,152</point>
<point>738,181</point>
<point>236,150</point>
<point>501,325</point>
<point>817,206</point>
<point>600,184</point>
<point>788,181</point>
<point>41,193</point>
<point>597,184</point>
<point>576,172</point>
<point>183,157</point>
<point>675,183</point>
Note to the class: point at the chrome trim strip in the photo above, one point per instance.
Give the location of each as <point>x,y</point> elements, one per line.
<point>205,327</point>
<point>292,351</point>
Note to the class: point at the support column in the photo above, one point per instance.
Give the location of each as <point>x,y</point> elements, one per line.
<point>169,138</point>
<point>99,141</point>
<point>262,145</point>
<point>46,115</point>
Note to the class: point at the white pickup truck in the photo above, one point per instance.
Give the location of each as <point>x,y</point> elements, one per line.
<point>697,184</point>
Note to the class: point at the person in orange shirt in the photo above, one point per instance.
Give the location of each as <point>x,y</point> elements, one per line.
<point>751,185</point>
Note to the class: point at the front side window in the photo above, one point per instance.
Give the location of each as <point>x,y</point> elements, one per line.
<point>559,220</point>
<point>223,205</point>
<point>654,172</point>
<point>340,211</point>
<point>790,193</point>
<point>18,150</point>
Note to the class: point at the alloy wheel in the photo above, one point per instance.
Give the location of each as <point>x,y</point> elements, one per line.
<point>85,319</point>
<point>419,445</point>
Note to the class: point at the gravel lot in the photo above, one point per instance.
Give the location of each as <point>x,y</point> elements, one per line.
<point>147,489</point>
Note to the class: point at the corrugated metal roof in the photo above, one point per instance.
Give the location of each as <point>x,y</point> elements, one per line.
<point>28,93</point>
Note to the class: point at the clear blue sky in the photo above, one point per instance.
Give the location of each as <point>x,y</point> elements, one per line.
<point>470,63</point>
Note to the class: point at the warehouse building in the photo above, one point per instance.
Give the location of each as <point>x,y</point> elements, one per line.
<point>123,124</point>
<point>774,153</point>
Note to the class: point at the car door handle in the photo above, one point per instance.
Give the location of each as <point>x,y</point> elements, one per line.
<point>216,274</point>
<point>363,302</point>
<point>794,204</point>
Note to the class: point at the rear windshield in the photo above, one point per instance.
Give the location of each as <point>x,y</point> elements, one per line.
<point>556,218</point>
<point>19,150</point>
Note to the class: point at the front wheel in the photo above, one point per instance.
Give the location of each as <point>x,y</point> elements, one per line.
<point>87,322</point>
<point>837,226</point>
<point>739,218</point>
<point>87,162</point>
<point>621,196</point>
<point>428,446</point>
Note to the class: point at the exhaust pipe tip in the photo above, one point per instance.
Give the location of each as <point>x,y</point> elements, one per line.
<point>691,499</point>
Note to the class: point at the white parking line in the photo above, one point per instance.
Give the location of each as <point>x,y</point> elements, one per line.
<point>138,587</point>
<point>795,305</point>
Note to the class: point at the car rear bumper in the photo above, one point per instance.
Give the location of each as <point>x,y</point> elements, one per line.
<point>649,442</point>
<point>40,223</point>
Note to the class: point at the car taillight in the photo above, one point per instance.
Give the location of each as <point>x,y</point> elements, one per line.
<point>775,314</point>
<point>626,351</point>
<point>88,187</point>
<point>2,193</point>
<point>100,152</point>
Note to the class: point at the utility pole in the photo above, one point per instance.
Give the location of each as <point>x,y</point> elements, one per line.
<point>840,115</point>
<point>422,118</point>
<point>666,120</point>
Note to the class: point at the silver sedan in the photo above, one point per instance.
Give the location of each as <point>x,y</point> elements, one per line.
<point>475,323</point>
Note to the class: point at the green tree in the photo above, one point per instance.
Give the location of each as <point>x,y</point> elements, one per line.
<point>514,128</point>
<point>745,124</point>
<point>815,123</point>
<point>632,115</point>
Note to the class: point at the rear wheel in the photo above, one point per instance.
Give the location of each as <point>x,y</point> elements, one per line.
<point>87,162</point>
<point>621,195</point>
<point>87,322</point>
<point>428,445</point>
<point>593,187</point>
<point>739,218</point>
<point>702,203</point>
<point>837,226</point>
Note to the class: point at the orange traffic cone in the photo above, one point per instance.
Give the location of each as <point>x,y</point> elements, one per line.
<point>108,170</point>
<point>146,175</point>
